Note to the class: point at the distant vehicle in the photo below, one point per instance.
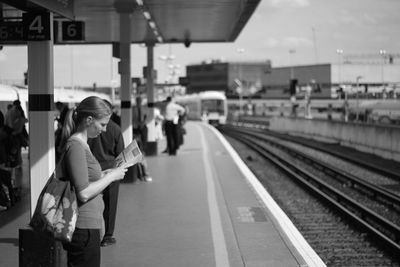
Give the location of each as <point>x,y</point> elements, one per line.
<point>380,111</point>
<point>208,106</point>
<point>386,112</point>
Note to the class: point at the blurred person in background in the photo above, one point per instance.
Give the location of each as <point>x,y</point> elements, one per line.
<point>171,125</point>
<point>158,118</point>
<point>181,131</point>
<point>15,121</point>
<point>60,118</point>
<point>62,112</point>
<point>7,197</point>
<point>139,131</point>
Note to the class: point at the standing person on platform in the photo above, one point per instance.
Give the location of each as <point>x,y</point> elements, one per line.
<point>181,131</point>
<point>171,125</point>
<point>158,123</point>
<point>6,199</point>
<point>60,118</point>
<point>15,121</point>
<point>62,112</point>
<point>106,147</point>
<point>139,122</point>
<point>88,120</point>
<point>114,116</point>
<point>139,130</point>
<point>3,141</point>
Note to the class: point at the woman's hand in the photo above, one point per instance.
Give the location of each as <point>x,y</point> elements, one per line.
<point>96,187</point>
<point>117,173</point>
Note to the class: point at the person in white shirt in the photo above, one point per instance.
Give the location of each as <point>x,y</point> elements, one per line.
<point>158,122</point>
<point>171,121</point>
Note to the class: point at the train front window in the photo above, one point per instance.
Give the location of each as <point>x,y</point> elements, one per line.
<point>212,105</point>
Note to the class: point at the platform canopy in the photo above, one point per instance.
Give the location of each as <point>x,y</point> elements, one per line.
<point>167,21</point>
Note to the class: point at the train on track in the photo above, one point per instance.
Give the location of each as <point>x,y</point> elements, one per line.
<point>208,106</point>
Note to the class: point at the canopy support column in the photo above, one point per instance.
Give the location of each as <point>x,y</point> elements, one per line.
<point>34,250</point>
<point>41,114</point>
<point>151,126</point>
<point>124,68</point>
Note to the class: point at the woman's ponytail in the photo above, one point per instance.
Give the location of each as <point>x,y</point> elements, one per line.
<point>68,128</point>
<point>90,106</point>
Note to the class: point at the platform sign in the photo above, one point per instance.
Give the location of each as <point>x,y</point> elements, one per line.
<point>11,31</point>
<point>37,26</point>
<point>73,30</point>
<point>63,7</point>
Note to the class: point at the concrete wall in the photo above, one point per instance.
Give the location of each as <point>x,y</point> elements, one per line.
<point>380,140</point>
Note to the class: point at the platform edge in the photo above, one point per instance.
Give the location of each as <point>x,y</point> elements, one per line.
<point>285,226</point>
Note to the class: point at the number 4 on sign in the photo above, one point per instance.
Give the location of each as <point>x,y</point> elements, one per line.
<point>37,26</point>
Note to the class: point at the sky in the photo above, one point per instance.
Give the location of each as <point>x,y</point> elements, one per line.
<point>312,29</point>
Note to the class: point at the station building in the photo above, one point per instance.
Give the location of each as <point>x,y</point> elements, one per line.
<point>260,80</point>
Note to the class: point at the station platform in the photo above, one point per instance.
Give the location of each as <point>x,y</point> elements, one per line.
<point>203,208</point>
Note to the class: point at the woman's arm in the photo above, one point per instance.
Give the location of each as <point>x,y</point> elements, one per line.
<point>77,170</point>
<point>96,187</point>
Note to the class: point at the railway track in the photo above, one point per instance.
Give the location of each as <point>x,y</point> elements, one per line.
<point>391,198</point>
<point>364,214</point>
<point>262,125</point>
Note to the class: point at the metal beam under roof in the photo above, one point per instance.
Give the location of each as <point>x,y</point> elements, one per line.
<point>167,21</point>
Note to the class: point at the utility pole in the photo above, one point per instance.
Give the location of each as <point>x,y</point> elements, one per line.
<point>357,100</point>
<point>240,65</point>
<point>383,54</point>
<point>291,52</point>
<point>315,45</point>
<point>340,53</point>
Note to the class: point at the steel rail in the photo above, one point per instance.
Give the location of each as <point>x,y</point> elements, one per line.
<point>387,233</point>
<point>367,165</point>
<point>378,192</point>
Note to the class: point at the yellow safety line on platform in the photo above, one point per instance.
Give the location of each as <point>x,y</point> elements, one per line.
<point>220,251</point>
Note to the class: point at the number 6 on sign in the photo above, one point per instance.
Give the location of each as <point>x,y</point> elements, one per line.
<point>37,26</point>
<point>73,31</point>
